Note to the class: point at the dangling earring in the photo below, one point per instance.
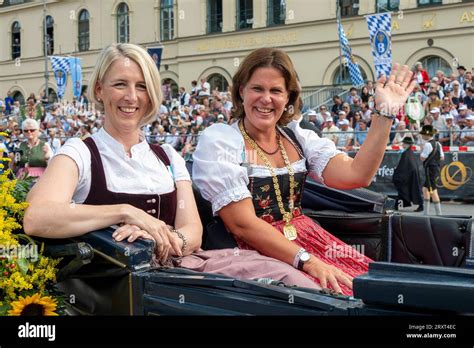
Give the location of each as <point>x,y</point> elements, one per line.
<point>286,109</point>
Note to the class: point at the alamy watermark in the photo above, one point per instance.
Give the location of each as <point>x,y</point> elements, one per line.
<point>343,251</point>
<point>28,251</point>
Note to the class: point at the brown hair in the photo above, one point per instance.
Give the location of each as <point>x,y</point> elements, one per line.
<point>264,58</point>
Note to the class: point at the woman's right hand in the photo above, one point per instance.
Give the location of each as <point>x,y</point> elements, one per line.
<point>156,228</point>
<point>326,273</point>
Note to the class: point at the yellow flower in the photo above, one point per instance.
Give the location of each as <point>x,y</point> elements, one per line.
<point>33,306</point>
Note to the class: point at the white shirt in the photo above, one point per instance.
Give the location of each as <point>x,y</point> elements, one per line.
<point>427,149</point>
<point>221,169</point>
<point>143,173</point>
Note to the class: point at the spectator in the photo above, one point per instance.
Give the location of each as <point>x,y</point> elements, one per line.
<point>53,141</point>
<point>204,88</point>
<point>421,76</point>
<point>351,96</point>
<point>361,132</point>
<point>467,134</point>
<point>34,153</point>
<point>330,129</point>
<point>184,97</point>
<point>432,102</point>
<point>461,71</point>
<point>469,98</point>
<point>451,136</point>
<point>8,103</point>
<point>337,105</point>
<point>345,136</point>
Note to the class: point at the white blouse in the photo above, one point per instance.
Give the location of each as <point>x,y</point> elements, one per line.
<point>143,173</point>
<point>221,170</point>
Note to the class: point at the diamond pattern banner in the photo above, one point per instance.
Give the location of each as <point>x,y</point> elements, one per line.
<point>354,71</point>
<point>60,67</point>
<point>380,30</point>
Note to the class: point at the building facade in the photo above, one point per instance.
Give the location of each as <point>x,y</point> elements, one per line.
<point>209,38</point>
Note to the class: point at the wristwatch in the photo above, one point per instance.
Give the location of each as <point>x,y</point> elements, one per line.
<point>301,258</point>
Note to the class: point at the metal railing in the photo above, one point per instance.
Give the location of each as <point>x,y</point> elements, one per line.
<point>453,141</point>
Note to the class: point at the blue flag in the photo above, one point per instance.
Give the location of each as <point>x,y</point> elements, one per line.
<point>60,67</point>
<point>76,75</point>
<point>155,53</point>
<point>380,30</point>
<point>354,71</point>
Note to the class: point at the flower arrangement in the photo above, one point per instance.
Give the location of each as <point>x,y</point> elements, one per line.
<point>27,277</point>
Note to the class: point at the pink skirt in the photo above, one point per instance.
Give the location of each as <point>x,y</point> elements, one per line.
<point>245,264</point>
<point>326,247</point>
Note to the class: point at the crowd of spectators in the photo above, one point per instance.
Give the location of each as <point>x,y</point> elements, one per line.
<point>448,102</point>
<point>180,120</point>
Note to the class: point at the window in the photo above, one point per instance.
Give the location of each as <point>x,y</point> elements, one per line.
<point>83,30</point>
<point>123,23</point>
<point>167,20</point>
<point>349,7</point>
<point>6,3</point>
<point>52,96</point>
<point>17,96</point>
<point>345,79</point>
<point>429,2</point>
<point>387,5</point>
<point>276,12</point>
<point>219,81</point>
<point>244,14</point>
<point>16,40</point>
<point>434,63</point>
<point>214,15</point>
<point>49,36</point>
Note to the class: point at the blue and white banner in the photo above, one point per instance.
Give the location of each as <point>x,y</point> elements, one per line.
<point>76,75</point>
<point>60,67</point>
<point>380,30</point>
<point>155,53</point>
<point>353,67</point>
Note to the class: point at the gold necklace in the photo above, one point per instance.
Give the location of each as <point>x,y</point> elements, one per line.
<point>289,229</point>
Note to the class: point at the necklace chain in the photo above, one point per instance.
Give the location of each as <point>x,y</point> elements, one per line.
<point>261,148</point>
<point>287,216</point>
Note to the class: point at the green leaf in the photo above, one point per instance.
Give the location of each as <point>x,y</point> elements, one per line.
<point>23,265</point>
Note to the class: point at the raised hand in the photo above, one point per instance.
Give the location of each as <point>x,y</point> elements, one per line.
<point>392,93</point>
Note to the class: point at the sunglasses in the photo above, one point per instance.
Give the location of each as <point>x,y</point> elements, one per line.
<point>29,130</point>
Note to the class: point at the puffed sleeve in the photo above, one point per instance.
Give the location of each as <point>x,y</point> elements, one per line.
<point>318,151</point>
<point>180,171</point>
<point>216,166</point>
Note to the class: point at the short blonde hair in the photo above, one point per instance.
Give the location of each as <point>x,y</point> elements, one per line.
<point>150,72</point>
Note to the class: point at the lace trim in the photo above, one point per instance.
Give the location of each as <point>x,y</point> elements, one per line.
<point>322,162</point>
<point>235,194</point>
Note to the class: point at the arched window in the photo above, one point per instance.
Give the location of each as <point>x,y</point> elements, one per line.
<point>83,30</point>
<point>16,40</point>
<point>123,23</point>
<point>345,78</point>
<point>49,36</point>
<point>167,20</point>
<point>18,96</point>
<point>434,63</point>
<point>52,96</point>
<point>219,81</point>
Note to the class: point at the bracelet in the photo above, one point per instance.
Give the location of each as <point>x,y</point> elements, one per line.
<point>296,260</point>
<point>183,238</point>
<point>384,114</point>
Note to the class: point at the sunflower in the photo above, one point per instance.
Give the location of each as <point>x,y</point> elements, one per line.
<point>33,306</point>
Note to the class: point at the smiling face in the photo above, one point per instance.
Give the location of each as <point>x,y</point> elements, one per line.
<point>124,94</point>
<point>265,97</point>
